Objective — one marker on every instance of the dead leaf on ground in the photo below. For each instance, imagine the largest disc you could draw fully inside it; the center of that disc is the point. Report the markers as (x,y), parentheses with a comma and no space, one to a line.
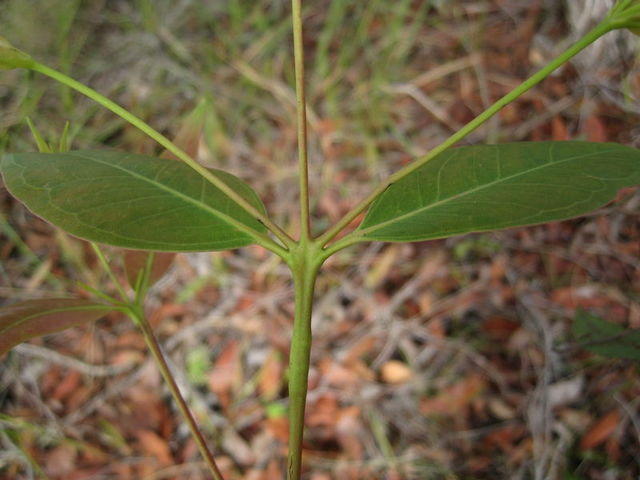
(454,399)
(156,446)
(600,431)
(395,372)
(226,372)
(271,376)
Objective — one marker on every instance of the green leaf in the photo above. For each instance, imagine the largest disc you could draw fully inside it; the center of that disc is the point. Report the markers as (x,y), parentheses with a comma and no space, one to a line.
(63,143)
(132,201)
(26,320)
(605,338)
(481,188)
(11,57)
(43,146)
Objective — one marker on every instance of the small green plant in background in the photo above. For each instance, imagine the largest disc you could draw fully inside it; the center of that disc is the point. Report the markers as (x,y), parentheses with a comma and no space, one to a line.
(156,207)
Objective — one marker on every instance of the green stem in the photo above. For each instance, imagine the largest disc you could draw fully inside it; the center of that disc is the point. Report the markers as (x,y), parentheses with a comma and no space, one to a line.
(301,108)
(259,237)
(527,85)
(105,264)
(305,266)
(142,284)
(141,321)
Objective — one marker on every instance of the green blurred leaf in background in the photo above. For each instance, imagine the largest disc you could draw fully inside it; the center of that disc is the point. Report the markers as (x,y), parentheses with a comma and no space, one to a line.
(606,338)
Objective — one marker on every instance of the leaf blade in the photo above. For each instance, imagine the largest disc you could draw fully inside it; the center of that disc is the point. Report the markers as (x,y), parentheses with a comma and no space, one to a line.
(135,262)
(483,188)
(132,201)
(33,318)
(606,338)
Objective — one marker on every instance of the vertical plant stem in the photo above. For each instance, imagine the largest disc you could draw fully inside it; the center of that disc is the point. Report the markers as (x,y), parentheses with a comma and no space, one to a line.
(301,108)
(470,127)
(304,279)
(141,321)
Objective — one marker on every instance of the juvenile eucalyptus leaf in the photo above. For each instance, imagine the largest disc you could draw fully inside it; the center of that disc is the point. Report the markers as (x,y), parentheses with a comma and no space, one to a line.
(606,338)
(131,201)
(33,318)
(482,188)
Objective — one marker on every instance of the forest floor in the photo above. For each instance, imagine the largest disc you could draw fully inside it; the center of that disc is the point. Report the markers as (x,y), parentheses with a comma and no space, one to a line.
(450,359)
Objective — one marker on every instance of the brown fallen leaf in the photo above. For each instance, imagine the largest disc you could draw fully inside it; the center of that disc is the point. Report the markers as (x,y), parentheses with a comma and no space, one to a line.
(595,129)
(321,476)
(337,375)
(271,376)
(70,382)
(600,431)
(395,372)
(152,444)
(559,130)
(454,399)
(226,372)
(278,428)
(349,432)
(274,470)
(61,461)
(323,412)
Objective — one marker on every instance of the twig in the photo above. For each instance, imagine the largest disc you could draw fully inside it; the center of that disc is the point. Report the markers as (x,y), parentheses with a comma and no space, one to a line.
(429,105)
(52,356)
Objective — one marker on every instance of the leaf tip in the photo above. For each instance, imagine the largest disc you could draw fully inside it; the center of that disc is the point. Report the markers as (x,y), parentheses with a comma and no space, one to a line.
(11,57)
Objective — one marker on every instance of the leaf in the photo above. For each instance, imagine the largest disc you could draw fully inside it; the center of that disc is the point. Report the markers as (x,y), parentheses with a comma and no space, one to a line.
(22,321)
(395,372)
(187,139)
(64,143)
(190,131)
(606,338)
(156,446)
(43,146)
(11,57)
(481,188)
(132,201)
(135,261)
(456,399)
(600,431)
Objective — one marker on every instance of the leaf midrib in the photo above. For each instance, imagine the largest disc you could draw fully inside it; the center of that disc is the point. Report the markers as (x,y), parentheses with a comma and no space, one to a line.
(198,203)
(242,230)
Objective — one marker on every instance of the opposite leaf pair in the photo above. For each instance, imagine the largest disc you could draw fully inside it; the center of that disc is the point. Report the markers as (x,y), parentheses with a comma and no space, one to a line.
(147,203)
